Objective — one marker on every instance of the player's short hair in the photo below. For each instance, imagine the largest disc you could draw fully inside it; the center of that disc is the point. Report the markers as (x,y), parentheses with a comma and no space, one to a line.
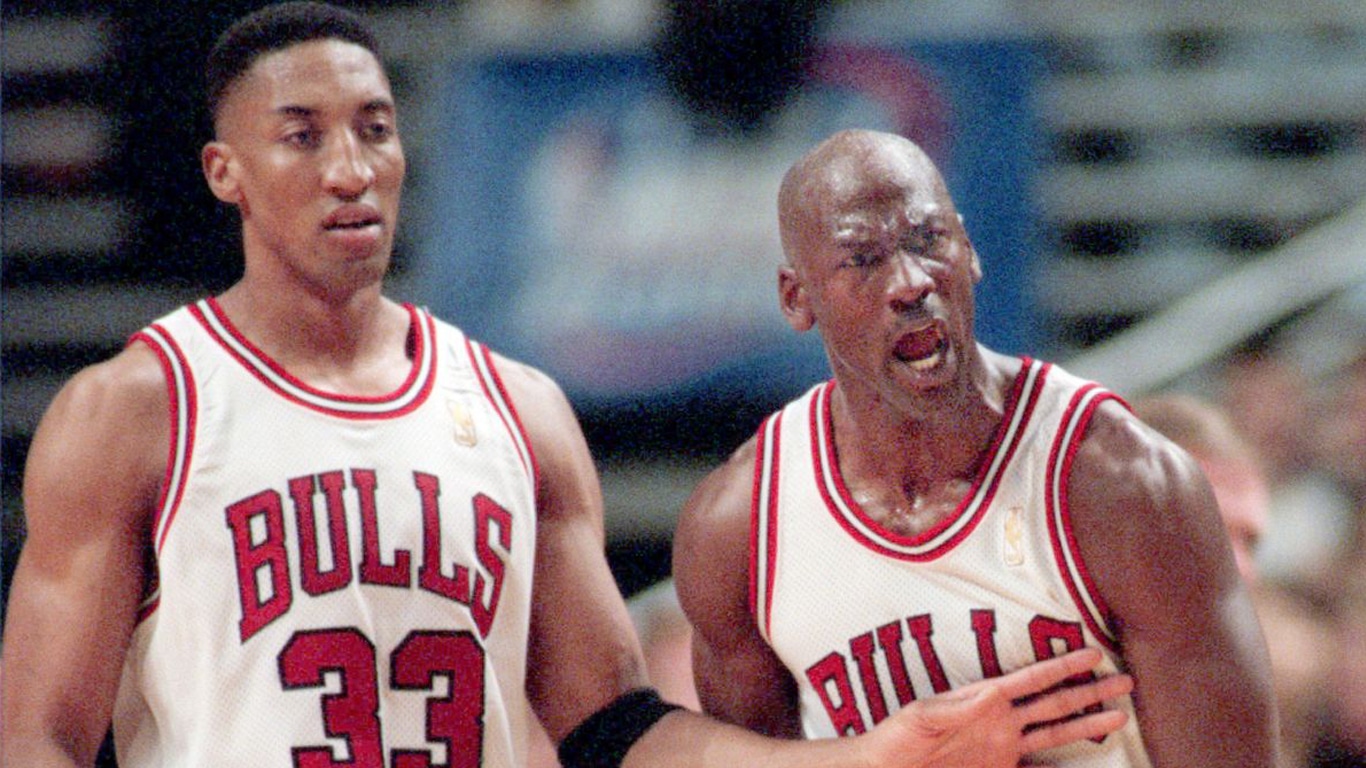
(272,28)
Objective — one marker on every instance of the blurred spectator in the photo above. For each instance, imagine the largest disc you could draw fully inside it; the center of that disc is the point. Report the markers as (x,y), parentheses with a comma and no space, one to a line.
(1342,742)
(1233,469)
(1342,435)
(667,637)
(1295,629)
(1271,401)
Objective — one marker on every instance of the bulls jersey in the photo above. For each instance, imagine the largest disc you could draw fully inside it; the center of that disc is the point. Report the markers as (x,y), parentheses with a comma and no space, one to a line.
(868,620)
(340,580)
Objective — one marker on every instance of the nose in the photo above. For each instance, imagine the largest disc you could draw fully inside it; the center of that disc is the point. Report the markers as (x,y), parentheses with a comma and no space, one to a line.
(909,282)
(347,172)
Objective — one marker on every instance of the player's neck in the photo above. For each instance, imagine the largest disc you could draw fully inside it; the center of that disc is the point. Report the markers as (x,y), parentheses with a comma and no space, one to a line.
(917,449)
(352,346)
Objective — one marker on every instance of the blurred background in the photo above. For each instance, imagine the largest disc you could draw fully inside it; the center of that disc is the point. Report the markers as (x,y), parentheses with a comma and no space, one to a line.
(1167,197)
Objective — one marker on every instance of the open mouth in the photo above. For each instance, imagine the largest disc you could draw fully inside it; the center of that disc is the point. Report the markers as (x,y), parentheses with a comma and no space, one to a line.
(922,347)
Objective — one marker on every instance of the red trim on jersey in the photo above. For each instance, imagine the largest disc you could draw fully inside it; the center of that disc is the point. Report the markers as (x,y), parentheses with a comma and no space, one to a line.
(182,400)
(403,400)
(182,410)
(1067,553)
(1018,408)
(147,609)
(763,556)
(755,518)
(511,421)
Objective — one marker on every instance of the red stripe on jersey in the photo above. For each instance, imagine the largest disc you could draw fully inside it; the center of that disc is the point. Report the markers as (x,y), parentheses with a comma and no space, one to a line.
(1018,408)
(764,522)
(182,411)
(482,359)
(406,398)
(1065,549)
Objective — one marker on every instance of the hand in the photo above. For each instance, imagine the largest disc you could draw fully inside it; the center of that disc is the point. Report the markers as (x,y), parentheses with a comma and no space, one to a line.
(983,725)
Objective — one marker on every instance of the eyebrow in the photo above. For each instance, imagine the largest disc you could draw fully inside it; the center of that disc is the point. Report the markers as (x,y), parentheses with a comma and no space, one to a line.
(369,107)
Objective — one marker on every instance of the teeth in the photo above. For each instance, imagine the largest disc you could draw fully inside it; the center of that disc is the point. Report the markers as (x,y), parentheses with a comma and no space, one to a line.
(926,363)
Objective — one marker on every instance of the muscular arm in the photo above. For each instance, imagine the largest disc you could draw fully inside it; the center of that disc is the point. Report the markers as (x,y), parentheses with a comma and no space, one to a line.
(90,485)
(583,650)
(739,679)
(1150,533)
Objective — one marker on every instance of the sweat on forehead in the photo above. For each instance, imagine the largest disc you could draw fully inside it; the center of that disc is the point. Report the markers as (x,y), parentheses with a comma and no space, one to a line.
(274,28)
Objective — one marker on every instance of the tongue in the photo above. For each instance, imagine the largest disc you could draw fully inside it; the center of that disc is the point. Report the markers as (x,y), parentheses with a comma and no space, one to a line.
(918,345)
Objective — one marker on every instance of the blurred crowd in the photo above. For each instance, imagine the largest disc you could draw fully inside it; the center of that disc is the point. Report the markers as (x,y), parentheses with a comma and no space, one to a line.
(1306,438)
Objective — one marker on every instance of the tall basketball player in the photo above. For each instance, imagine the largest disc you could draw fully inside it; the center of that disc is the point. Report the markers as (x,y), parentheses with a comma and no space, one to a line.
(939,514)
(299,524)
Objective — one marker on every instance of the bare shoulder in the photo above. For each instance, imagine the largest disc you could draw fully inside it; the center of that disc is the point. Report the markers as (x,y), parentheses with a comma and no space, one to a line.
(1124,463)
(711,543)
(98,458)
(535,395)
(720,505)
(117,410)
(567,481)
(1140,506)
(542,408)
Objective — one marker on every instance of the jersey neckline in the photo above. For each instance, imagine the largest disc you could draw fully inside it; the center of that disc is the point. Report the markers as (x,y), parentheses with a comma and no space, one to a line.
(406,397)
(945,534)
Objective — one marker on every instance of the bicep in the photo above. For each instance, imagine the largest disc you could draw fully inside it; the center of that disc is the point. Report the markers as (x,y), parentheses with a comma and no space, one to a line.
(90,485)
(738,677)
(1150,533)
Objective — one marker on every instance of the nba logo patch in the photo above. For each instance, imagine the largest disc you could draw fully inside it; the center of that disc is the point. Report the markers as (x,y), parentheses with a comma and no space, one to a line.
(464,423)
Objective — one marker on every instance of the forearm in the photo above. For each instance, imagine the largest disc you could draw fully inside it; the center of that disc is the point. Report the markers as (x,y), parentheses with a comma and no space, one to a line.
(60,668)
(989,724)
(45,723)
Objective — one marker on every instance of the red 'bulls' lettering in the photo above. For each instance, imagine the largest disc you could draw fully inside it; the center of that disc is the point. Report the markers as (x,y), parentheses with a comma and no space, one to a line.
(844,681)
(265,573)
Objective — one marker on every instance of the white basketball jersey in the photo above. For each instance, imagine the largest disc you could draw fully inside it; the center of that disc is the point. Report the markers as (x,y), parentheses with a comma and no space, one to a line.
(340,580)
(868,620)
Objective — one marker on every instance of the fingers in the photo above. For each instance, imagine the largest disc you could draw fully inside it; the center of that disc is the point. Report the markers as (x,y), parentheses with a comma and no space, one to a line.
(1085,727)
(1052,714)
(1037,678)
(1066,701)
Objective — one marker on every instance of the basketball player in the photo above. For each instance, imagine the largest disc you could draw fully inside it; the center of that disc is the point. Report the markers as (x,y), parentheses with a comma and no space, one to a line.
(301,524)
(939,513)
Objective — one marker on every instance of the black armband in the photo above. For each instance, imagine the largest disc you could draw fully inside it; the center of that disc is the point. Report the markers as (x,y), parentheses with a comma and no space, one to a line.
(603,739)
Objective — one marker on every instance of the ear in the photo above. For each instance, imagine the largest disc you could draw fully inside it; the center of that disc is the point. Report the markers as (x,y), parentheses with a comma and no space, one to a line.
(794,301)
(975,266)
(220,171)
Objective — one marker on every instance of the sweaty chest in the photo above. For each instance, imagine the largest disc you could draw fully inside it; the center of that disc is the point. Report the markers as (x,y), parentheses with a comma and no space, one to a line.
(912,514)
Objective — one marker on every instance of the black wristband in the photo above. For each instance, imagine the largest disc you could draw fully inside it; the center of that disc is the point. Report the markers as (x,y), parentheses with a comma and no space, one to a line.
(603,739)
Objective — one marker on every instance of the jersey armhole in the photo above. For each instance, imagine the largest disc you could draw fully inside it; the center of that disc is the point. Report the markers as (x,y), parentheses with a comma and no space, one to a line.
(1067,553)
(182,414)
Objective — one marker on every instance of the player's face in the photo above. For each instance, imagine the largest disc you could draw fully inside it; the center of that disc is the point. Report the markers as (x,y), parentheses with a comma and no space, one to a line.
(309,151)
(884,268)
